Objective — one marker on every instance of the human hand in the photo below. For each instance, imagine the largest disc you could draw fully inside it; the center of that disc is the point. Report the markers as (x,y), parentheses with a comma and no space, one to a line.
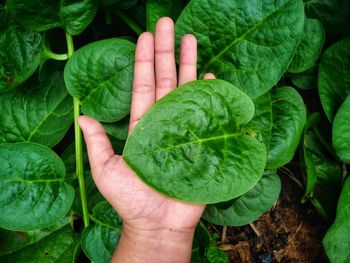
(148,216)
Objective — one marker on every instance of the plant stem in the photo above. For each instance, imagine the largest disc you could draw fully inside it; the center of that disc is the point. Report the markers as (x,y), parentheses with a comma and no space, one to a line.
(78,144)
(135,27)
(324,143)
(55,56)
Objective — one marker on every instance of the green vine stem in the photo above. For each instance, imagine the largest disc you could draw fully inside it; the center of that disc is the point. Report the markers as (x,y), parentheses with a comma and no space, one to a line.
(78,144)
(135,27)
(55,56)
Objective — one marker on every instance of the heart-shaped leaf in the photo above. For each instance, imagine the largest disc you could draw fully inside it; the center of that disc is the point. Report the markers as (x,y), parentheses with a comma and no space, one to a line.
(40,111)
(191,145)
(100,75)
(33,191)
(248,207)
(249,44)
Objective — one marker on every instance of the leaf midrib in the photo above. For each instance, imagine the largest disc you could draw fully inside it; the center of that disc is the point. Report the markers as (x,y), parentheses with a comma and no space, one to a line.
(241,38)
(197,141)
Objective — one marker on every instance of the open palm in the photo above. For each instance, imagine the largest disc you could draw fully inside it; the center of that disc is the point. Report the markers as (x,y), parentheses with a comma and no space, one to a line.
(154,76)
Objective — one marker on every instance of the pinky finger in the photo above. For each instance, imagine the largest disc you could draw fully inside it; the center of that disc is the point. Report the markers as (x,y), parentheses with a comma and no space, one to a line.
(209,76)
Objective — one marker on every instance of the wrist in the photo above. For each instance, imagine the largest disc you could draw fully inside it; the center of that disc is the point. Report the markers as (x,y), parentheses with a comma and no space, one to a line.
(154,245)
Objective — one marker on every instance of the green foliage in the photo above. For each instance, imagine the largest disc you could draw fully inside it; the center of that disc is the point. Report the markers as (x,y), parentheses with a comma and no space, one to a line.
(34,192)
(192,145)
(39,111)
(99,241)
(341,131)
(206,142)
(249,206)
(334,77)
(19,56)
(337,239)
(100,76)
(241,43)
(309,48)
(323,172)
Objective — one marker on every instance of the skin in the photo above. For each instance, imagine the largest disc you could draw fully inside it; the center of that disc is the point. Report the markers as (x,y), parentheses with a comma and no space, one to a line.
(156,228)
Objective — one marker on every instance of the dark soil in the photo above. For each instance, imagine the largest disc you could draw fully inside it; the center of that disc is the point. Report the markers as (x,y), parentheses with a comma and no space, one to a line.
(289,232)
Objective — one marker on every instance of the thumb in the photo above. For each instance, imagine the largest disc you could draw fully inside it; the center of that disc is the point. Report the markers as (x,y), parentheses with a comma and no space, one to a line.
(99,147)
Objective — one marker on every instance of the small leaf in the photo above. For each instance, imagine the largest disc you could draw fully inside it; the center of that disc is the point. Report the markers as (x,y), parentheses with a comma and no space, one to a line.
(323,174)
(100,240)
(33,191)
(334,77)
(337,239)
(249,44)
(305,80)
(191,146)
(100,75)
(215,255)
(60,246)
(309,48)
(19,56)
(341,131)
(40,111)
(248,207)
(119,129)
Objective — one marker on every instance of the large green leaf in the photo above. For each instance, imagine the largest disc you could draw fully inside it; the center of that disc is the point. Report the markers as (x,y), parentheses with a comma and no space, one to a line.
(334,77)
(279,119)
(289,118)
(323,173)
(309,48)
(72,15)
(11,241)
(155,9)
(248,207)
(100,240)
(100,74)
(341,131)
(19,56)
(191,146)
(39,112)
(248,43)
(337,239)
(60,246)
(33,191)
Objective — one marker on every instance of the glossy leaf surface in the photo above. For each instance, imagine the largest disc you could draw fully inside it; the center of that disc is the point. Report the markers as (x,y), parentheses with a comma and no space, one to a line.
(341,131)
(19,56)
(248,207)
(309,48)
(40,111)
(334,77)
(323,172)
(337,240)
(72,16)
(100,75)
(289,118)
(60,246)
(247,43)
(279,120)
(33,191)
(100,240)
(191,146)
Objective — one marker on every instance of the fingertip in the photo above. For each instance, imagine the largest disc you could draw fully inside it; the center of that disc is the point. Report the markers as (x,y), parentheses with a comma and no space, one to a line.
(164,21)
(189,38)
(209,76)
